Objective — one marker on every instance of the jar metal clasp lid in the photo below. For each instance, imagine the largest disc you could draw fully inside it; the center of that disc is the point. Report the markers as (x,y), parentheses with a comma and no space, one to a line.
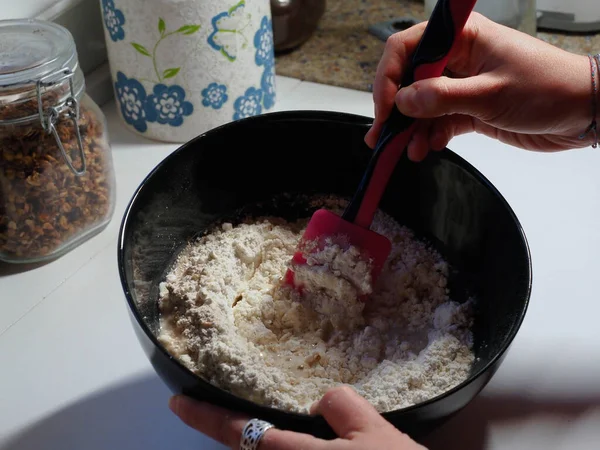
(49,118)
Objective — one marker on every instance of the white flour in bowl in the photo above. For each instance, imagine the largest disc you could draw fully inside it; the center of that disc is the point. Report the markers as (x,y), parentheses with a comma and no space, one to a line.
(227,316)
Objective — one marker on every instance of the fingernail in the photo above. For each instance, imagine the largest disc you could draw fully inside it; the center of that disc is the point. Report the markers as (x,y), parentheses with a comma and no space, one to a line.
(407,98)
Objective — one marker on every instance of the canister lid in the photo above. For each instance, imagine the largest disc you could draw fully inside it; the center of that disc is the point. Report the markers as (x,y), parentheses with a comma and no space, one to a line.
(32,49)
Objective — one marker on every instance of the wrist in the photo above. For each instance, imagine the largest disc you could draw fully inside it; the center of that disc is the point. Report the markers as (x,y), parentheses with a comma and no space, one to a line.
(585,106)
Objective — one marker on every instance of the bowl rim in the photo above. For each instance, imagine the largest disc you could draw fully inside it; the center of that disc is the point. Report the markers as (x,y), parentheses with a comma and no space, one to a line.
(312,116)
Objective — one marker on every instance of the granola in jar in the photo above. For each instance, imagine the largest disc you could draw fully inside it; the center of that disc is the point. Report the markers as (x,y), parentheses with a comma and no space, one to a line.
(56,173)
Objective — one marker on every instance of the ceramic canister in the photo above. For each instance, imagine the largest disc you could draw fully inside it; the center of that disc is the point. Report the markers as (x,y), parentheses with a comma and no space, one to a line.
(182,67)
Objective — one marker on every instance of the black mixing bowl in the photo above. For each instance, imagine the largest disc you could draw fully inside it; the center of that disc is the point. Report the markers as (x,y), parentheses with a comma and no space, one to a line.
(275,159)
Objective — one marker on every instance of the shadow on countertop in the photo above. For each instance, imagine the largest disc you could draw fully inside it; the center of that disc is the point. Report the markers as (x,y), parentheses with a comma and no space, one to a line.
(7,269)
(134,415)
(469,429)
(128,416)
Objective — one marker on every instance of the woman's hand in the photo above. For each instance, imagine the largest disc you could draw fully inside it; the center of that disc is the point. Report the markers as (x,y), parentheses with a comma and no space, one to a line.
(356,422)
(501,82)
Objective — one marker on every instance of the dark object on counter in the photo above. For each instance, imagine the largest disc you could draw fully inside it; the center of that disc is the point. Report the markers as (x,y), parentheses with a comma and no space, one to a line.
(383,30)
(443,199)
(294,21)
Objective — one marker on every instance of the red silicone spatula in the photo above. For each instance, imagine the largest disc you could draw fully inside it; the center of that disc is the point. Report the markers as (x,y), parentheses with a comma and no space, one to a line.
(429,60)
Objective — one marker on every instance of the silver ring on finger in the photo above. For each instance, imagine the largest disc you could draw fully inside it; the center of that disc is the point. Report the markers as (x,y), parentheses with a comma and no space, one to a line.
(253,432)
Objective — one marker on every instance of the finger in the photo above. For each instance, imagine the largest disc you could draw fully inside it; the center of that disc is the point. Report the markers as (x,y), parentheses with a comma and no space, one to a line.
(226,427)
(418,147)
(464,59)
(395,58)
(391,67)
(314,408)
(348,413)
(445,128)
(288,440)
(389,72)
(373,133)
(217,423)
(436,97)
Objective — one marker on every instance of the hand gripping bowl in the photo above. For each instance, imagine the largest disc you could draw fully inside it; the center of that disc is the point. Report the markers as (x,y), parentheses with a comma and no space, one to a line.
(222,172)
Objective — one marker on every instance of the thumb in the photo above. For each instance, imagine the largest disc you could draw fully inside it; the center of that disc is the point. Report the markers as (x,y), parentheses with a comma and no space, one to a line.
(440,96)
(347,412)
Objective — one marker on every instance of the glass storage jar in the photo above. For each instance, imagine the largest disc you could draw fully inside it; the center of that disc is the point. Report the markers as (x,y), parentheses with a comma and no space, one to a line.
(57,184)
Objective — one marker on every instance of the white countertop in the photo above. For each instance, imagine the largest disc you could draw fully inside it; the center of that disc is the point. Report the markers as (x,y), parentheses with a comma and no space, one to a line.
(74,376)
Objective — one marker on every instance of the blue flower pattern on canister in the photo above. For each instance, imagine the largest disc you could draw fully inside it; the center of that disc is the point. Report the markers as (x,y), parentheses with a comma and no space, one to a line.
(114,20)
(131,97)
(214,95)
(254,99)
(248,104)
(263,42)
(267,84)
(167,105)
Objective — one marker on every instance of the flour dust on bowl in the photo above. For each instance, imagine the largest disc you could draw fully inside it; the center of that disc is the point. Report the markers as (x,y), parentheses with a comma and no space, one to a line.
(206,239)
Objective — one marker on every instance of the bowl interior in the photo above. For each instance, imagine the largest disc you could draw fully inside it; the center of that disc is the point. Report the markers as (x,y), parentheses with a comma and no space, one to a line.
(270,163)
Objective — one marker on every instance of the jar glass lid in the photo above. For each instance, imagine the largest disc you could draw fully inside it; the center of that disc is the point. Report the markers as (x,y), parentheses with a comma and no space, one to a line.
(31,49)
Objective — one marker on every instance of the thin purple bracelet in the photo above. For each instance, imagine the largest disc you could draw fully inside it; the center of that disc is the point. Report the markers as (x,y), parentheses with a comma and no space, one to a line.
(594,65)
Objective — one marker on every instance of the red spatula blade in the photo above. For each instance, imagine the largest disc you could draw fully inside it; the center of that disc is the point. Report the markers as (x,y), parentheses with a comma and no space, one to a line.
(325,224)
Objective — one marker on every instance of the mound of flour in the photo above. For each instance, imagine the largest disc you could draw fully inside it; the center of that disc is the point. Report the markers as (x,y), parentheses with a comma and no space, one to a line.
(227,316)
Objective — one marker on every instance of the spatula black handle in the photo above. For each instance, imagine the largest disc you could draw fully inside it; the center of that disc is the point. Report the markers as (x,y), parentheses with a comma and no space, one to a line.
(428,60)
